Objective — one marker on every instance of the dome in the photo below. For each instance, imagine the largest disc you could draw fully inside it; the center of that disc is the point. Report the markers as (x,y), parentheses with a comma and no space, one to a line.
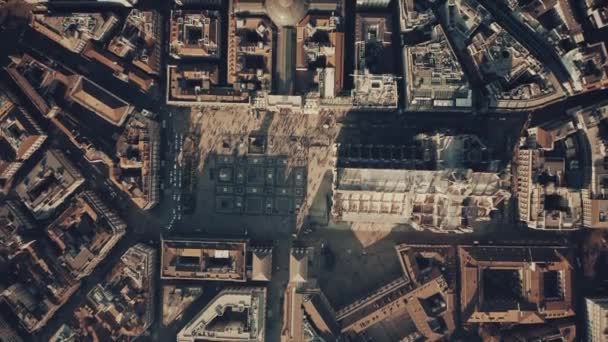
(286,12)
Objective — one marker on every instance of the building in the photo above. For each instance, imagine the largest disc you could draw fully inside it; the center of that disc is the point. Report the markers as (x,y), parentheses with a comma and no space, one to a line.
(597,319)
(513,77)
(584,62)
(195,34)
(123,3)
(248,61)
(595,212)
(249,7)
(41,84)
(48,184)
(176,299)
(411,19)
(415,182)
(135,147)
(20,138)
(235,314)
(13,222)
(319,56)
(286,14)
(463,17)
(562,32)
(135,137)
(98,100)
(557,330)
(419,304)
(373,3)
(375,85)
(440,201)
(124,306)
(326,6)
(33,78)
(588,66)
(375,91)
(42,286)
(203,260)
(432,304)
(261,264)
(250,51)
(434,77)
(307,313)
(138,153)
(298,266)
(203,3)
(73,31)
(515,284)
(189,85)
(85,233)
(140,41)
(118,67)
(65,333)
(44,85)
(598,16)
(595,204)
(545,198)
(303,82)
(7,334)
(378,306)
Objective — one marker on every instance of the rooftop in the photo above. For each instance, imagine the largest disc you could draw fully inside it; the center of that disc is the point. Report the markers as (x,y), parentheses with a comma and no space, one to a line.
(85,233)
(434,76)
(434,271)
(420,304)
(235,314)
(549,189)
(261,264)
(419,152)
(20,133)
(298,266)
(195,33)
(98,100)
(373,43)
(441,201)
(137,169)
(205,260)
(73,31)
(250,50)
(42,286)
(123,304)
(13,222)
(588,66)
(320,52)
(307,312)
(559,330)
(515,284)
(20,138)
(286,12)
(139,41)
(176,299)
(199,84)
(48,183)
(512,75)
(384,302)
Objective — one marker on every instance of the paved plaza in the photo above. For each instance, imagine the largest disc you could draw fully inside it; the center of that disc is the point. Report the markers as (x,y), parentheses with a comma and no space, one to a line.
(257,185)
